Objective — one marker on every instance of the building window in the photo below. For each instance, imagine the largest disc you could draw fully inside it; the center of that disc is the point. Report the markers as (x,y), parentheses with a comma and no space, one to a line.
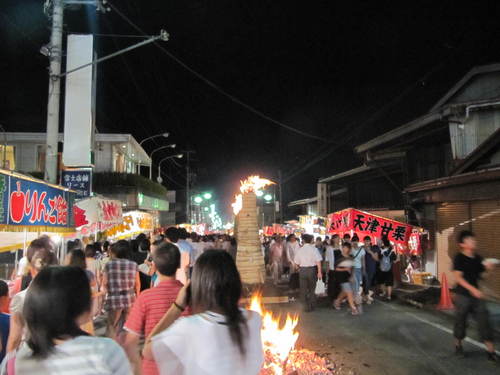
(118,162)
(8,157)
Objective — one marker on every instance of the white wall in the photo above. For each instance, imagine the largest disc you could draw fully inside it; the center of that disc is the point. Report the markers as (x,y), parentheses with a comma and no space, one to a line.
(26,156)
(104,157)
(466,137)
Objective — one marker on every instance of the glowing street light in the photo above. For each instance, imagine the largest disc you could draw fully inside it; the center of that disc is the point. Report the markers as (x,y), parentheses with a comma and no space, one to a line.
(207,196)
(165,135)
(259,193)
(198,199)
(268,197)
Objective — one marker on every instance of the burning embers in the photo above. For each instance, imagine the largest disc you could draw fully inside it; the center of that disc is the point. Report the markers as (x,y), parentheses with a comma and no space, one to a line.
(250,185)
(278,341)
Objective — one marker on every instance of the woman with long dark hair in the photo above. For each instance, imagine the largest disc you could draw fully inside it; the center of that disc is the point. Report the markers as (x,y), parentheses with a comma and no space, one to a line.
(220,338)
(57,304)
(76,258)
(40,258)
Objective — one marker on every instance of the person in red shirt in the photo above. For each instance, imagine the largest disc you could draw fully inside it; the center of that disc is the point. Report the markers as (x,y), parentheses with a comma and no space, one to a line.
(151,305)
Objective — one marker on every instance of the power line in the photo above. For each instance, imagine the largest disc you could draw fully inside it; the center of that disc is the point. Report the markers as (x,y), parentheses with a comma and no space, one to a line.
(145,98)
(171,179)
(175,163)
(218,88)
(375,116)
(124,36)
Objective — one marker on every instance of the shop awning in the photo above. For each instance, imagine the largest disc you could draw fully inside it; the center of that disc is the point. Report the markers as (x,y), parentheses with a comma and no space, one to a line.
(134,223)
(97,214)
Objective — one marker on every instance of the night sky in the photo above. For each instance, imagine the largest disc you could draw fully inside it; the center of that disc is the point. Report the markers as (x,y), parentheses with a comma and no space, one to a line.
(341,71)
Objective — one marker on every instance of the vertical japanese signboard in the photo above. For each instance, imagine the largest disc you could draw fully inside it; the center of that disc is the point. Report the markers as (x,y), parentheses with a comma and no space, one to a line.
(32,205)
(79,180)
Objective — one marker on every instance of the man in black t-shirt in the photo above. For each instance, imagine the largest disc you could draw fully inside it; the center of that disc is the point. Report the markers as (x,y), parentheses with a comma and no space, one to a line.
(467,268)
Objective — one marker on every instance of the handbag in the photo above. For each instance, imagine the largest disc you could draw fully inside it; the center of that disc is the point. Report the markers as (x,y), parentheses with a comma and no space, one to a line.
(320,288)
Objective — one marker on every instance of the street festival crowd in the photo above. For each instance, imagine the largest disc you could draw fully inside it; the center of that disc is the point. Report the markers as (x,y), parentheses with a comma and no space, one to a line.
(172,301)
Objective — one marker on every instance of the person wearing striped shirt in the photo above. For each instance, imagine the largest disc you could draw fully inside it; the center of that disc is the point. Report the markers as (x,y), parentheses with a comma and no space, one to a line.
(57,303)
(151,305)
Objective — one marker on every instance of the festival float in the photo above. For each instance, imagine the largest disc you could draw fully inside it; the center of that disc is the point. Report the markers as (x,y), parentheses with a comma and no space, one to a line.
(281,356)
(249,260)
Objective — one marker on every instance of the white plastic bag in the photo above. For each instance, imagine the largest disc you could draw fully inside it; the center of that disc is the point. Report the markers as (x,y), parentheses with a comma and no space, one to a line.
(320,288)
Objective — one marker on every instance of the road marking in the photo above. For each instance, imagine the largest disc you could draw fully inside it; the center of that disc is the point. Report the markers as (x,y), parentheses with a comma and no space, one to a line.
(439,326)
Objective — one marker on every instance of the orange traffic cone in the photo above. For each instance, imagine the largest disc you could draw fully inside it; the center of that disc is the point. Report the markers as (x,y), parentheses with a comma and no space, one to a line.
(445,302)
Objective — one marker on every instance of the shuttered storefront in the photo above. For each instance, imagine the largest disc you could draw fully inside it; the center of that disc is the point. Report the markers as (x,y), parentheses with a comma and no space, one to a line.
(485,219)
(451,218)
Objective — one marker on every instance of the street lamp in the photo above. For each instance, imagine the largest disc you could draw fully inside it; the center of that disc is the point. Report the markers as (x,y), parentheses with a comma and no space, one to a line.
(198,199)
(151,157)
(268,197)
(259,193)
(207,196)
(164,135)
(178,156)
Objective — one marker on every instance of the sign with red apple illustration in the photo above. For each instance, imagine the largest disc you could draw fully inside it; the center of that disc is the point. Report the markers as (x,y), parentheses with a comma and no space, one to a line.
(29,203)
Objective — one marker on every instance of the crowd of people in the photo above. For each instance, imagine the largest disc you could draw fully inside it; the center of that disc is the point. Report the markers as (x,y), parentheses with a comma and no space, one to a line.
(352,270)
(172,301)
(166,300)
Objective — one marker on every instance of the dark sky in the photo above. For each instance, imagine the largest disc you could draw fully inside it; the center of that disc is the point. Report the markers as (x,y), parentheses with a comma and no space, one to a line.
(344,71)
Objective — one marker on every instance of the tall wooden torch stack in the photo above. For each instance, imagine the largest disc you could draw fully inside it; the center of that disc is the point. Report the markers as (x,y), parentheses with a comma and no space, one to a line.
(249,259)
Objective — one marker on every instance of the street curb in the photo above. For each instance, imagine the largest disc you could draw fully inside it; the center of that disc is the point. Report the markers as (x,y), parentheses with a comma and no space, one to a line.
(432,308)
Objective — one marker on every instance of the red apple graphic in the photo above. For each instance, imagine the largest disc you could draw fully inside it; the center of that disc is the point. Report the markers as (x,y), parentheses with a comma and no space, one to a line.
(79,215)
(17,200)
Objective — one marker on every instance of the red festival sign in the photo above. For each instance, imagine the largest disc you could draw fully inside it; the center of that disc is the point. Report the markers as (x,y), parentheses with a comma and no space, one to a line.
(365,224)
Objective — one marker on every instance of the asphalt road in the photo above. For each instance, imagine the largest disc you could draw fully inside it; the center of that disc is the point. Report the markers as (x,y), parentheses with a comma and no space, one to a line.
(389,338)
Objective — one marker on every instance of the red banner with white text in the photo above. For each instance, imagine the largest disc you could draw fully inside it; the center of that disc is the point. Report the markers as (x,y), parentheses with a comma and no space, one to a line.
(363,224)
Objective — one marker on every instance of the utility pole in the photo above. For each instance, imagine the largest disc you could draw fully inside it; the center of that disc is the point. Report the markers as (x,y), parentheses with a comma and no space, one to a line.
(55,53)
(188,184)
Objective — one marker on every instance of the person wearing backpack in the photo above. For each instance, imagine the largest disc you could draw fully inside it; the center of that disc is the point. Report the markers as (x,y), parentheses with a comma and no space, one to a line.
(387,258)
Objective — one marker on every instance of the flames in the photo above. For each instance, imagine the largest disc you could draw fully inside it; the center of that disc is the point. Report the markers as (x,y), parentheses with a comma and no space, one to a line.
(251,184)
(254,183)
(238,204)
(277,341)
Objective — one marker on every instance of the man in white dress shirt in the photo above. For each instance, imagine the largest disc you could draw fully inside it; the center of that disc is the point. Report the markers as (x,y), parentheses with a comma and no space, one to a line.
(308,259)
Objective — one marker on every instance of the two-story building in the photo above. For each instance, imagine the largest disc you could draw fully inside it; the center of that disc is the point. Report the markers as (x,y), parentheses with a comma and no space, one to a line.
(441,170)
(117,160)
